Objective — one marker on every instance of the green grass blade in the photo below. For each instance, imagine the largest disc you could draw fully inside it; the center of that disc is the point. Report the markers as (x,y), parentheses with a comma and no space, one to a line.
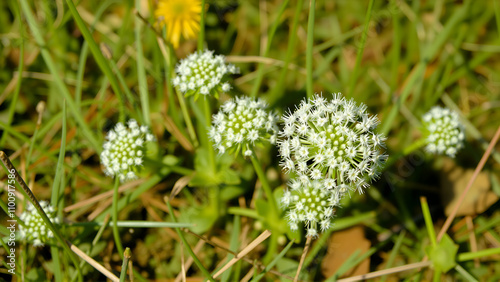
(20,68)
(87,133)
(57,188)
(309,49)
(270,35)
(428,221)
(141,72)
(98,56)
(359,55)
(278,90)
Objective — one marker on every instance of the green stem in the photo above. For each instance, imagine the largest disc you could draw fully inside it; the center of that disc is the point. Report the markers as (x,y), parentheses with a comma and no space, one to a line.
(141,72)
(428,221)
(309,49)
(406,151)
(116,234)
(187,118)
(126,258)
(265,183)
(437,275)
(190,251)
(201,36)
(208,122)
(465,274)
(478,254)
(271,249)
(359,55)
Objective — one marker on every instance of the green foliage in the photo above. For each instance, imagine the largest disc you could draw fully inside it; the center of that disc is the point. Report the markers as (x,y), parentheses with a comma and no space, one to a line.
(443,255)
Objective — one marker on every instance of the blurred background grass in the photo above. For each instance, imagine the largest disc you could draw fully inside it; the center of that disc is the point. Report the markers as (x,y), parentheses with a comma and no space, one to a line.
(417,54)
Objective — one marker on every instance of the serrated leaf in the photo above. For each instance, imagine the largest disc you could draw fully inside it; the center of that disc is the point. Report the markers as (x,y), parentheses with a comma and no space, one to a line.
(443,256)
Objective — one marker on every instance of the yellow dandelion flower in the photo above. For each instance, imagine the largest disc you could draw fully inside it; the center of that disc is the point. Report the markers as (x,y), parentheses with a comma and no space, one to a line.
(180,17)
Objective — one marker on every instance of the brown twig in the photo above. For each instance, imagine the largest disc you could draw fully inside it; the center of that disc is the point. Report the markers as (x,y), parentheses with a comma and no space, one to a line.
(479,167)
(303,257)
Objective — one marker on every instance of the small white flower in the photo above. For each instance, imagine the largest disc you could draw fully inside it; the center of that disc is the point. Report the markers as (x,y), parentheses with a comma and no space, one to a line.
(123,152)
(203,73)
(35,230)
(308,202)
(240,126)
(444,132)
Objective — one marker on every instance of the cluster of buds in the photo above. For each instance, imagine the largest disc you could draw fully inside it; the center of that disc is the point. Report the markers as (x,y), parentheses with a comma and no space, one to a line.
(203,73)
(443,131)
(241,124)
(34,229)
(332,144)
(125,149)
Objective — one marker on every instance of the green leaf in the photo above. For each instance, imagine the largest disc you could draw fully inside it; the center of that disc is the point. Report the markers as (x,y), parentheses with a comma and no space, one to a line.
(231,192)
(203,218)
(444,254)
(205,177)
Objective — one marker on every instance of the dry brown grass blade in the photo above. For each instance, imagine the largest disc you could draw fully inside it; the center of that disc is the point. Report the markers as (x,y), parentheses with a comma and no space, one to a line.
(93,263)
(103,196)
(189,261)
(386,271)
(472,238)
(172,128)
(479,167)
(303,257)
(263,236)
(179,185)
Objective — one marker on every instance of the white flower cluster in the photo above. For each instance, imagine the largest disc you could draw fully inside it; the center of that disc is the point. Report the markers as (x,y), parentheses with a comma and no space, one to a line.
(34,229)
(444,132)
(124,151)
(330,147)
(241,123)
(311,204)
(332,141)
(203,73)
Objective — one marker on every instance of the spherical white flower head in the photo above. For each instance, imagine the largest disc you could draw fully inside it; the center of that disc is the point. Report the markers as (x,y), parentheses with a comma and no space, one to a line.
(333,141)
(203,73)
(34,229)
(311,204)
(125,149)
(240,124)
(444,132)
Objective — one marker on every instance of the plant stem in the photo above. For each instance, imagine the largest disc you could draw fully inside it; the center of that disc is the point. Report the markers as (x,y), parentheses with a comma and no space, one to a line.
(406,151)
(201,36)
(141,72)
(208,122)
(309,49)
(126,258)
(265,183)
(116,234)
(478,254)
(428,221)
